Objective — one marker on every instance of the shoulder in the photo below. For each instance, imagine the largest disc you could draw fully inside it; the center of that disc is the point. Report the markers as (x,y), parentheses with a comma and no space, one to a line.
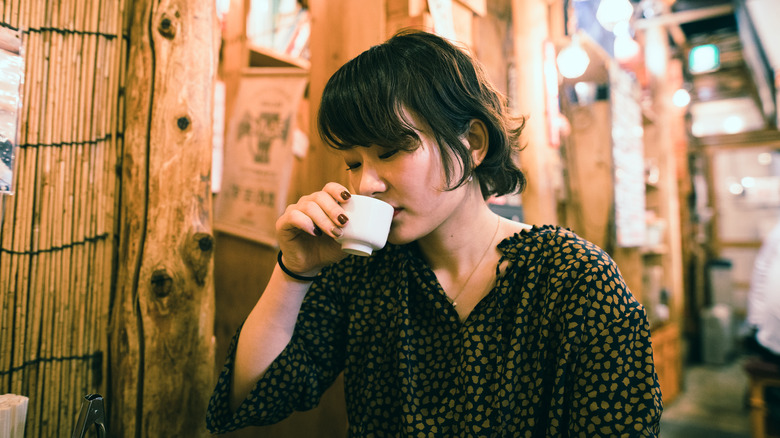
(561,247)
(571,266)
(583,272)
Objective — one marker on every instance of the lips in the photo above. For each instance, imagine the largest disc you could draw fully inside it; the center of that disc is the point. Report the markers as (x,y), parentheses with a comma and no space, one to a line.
(396,210)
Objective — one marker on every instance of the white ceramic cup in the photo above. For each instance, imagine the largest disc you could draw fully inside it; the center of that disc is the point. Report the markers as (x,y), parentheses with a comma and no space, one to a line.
(368,225)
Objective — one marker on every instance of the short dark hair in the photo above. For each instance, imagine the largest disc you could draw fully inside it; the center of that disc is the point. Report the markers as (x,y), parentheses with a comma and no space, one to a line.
(363,102)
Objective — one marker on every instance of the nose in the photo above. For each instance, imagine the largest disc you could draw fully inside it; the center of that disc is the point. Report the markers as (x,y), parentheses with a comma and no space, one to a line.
(370,182)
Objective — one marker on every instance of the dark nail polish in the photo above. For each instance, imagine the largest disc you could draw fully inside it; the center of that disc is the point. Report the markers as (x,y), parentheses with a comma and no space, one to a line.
(342,219)
(345,195)
(317,231)
(336,231)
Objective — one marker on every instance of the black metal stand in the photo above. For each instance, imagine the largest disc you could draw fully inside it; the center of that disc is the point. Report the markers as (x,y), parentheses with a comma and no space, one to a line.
(92,412)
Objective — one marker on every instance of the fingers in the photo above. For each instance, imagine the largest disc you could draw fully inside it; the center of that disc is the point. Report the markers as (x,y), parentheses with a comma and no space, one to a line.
(324,214)
(293,220)
(337,191)
(318,213)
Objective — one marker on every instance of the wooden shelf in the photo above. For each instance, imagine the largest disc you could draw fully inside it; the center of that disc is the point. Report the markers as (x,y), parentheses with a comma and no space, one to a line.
(654,250)
(266,57)
(667,358)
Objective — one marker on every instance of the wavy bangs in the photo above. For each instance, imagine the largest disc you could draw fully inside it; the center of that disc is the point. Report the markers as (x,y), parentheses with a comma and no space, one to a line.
(363,105)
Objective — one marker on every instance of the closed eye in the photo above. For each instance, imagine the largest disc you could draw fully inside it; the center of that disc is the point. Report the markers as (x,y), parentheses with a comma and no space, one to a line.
(389,154)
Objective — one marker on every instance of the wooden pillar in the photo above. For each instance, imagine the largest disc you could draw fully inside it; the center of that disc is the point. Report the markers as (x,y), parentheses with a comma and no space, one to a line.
(162,351)
(672,137)
(538,160)
(341,30)
(665,74)
(662,136)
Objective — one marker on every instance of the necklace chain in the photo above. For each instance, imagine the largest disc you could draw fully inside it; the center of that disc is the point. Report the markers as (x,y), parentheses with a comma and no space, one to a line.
(454,299)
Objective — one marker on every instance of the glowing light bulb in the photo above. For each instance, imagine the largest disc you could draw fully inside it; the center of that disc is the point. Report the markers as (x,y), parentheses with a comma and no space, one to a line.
(573,60)
(733,124)
(611,12)
(681,98)
(624,47)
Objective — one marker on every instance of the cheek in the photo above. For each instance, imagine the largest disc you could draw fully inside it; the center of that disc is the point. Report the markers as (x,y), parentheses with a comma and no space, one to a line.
(427,170)
(353,181)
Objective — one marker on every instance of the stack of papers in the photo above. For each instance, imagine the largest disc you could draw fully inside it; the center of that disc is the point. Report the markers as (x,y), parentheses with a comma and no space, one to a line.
(13,412)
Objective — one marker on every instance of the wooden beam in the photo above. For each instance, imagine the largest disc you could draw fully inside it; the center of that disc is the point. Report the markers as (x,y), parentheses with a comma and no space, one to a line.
(538,160)
(677,34)
(767,137)
(341,30)
(163,320)
(589,164)
(683,17)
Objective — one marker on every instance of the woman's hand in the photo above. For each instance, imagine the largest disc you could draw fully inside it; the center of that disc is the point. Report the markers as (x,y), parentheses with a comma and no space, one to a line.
(307,229)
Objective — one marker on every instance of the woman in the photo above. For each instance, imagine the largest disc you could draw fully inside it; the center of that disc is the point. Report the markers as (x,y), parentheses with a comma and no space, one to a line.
(465,324)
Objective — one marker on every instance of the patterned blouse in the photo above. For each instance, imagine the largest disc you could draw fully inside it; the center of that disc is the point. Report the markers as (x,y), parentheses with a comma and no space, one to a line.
(559,347)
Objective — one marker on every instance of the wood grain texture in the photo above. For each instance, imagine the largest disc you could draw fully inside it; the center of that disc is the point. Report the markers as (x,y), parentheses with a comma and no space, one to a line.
(163,352)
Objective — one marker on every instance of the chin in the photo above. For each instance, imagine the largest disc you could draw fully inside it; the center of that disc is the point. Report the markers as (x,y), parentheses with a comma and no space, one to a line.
(402,236)
(397,239)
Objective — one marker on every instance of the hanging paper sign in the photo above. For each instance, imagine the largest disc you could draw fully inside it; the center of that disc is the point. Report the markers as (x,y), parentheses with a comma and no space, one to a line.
(628,159)
(11,79)
(218,136)
(258,156)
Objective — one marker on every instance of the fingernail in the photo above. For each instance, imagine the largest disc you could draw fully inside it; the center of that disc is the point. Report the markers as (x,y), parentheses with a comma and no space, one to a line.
(317,231)
(345,195)
(336,231)
(342,219)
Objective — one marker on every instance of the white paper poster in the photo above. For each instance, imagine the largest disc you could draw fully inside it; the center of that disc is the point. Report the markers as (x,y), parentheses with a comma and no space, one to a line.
(628,159)
(218,137)
(11,79)
(259,156)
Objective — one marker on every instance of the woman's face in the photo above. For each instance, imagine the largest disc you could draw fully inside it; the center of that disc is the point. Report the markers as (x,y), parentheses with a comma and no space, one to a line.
(412,182)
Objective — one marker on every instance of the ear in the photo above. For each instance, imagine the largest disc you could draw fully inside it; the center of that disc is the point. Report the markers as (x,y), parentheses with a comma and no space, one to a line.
(477,137)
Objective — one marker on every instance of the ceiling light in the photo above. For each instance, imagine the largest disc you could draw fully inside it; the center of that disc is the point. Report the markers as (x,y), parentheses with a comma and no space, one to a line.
(624,47)
(733,124)
(573,60)
(611,12)
(681,98)
(736,189)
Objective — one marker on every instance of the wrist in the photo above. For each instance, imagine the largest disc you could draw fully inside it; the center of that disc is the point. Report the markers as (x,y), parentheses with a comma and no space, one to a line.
(305,277)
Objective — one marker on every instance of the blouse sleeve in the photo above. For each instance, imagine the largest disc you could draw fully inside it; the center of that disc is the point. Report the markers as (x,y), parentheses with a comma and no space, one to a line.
(296,380)
(615,387)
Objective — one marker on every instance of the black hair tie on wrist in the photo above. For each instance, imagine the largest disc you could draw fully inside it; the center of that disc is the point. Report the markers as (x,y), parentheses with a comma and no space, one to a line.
(291,273)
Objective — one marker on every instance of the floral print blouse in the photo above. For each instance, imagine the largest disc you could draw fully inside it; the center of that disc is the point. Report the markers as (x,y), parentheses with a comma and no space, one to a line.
(559,347)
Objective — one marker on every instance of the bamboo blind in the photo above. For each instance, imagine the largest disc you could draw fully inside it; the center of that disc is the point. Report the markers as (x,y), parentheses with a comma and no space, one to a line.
(58,231)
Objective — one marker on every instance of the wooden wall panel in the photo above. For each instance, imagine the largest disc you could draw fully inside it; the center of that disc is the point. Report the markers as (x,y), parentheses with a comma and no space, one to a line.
(588,165)
(539,161)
